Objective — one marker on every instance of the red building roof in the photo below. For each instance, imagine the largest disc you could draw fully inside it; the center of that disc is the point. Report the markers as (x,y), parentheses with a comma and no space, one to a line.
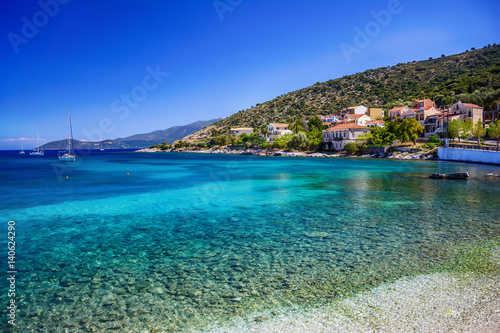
(472,105)
(397,108)
(346,126)
(449,116)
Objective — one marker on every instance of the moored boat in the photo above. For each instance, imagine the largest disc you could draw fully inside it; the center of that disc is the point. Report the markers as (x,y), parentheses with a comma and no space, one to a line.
(68,156)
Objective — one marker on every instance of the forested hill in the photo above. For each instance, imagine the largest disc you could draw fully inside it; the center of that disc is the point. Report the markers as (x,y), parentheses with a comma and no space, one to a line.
(472,76)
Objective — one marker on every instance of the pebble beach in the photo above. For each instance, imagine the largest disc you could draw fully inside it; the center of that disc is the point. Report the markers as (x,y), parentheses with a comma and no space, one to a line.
(427,303)
(440,302)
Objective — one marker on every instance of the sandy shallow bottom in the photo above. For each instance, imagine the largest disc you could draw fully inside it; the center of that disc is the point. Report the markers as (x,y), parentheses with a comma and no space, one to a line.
(441,302)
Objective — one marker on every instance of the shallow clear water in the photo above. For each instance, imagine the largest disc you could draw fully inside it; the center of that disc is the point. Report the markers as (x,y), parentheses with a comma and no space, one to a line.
(186,240)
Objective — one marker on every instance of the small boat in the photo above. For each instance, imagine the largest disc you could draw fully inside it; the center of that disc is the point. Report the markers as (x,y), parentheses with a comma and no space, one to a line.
(68,156)
(37,151)
(22,149)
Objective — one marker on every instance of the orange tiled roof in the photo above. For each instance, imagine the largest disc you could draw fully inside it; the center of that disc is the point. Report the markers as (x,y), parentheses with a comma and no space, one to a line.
(376,122)
(346,126)
(449,116)
(472,105)
(397,108)
(418,109)
(279,125)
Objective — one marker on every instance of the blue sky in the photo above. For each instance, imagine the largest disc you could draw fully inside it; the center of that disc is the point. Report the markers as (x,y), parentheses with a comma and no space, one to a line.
(128,67)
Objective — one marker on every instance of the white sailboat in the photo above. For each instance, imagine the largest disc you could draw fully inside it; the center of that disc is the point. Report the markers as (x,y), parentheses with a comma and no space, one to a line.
(22,149)
(37,151)
(69,156)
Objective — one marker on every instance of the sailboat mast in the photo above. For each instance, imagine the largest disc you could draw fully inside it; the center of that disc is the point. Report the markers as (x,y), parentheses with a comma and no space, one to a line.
(69,136)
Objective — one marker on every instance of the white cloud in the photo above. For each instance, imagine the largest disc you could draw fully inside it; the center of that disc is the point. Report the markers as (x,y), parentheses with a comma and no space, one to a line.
(20,139)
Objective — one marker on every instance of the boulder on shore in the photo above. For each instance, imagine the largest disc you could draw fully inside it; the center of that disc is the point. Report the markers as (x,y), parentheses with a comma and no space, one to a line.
(459,175)
(438,176)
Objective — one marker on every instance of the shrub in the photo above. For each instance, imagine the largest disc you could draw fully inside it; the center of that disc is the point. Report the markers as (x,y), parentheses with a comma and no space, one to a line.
(434,139)
(351,148)
(299,141)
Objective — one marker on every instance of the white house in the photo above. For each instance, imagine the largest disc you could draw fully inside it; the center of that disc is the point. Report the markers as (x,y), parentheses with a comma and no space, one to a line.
(275,130)
(375,123)
(360,109)
(240,130)
(277,127)
(336,137)
(328,119)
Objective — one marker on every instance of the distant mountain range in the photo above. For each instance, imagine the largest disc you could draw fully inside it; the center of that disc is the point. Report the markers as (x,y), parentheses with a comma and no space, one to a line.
(144,140)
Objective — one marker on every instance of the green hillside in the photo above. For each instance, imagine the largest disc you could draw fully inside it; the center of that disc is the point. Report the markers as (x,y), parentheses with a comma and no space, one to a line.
(472,76)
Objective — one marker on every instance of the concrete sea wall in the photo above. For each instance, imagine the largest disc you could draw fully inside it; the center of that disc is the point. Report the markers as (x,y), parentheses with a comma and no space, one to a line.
(469,155)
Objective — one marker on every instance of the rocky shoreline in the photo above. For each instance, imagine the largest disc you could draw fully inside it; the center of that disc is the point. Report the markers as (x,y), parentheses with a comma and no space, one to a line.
(398,155)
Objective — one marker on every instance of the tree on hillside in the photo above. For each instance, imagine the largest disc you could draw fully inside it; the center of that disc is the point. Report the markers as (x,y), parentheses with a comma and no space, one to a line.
(478,131)
(299,141)
(315,123)
(409,130)
(214,132)
(264,130)
(494,131)
(296,126)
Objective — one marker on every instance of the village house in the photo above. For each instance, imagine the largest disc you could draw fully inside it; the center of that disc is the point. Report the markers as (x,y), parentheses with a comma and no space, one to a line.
(358,119)
(276,130)
(397,111)
(459,110)
(375,113)
(375,123)
(337,136)
(328,119)
(420,110)
(431,124)
(360,109)
(240,130)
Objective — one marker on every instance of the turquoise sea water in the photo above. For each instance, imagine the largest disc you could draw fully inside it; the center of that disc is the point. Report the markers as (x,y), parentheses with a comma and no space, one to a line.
(133,242)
